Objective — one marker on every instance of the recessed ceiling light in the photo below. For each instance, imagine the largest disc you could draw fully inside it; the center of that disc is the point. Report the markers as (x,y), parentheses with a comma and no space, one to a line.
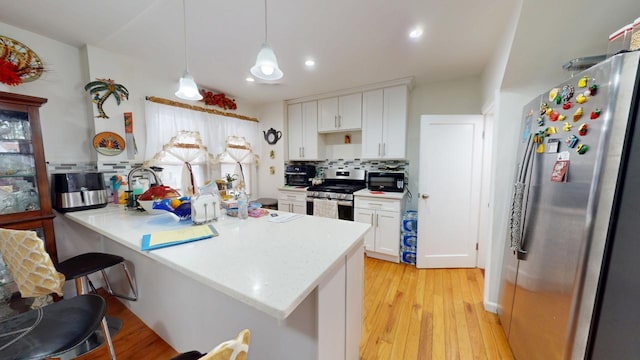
(310,63)
(250,79)
(415,33)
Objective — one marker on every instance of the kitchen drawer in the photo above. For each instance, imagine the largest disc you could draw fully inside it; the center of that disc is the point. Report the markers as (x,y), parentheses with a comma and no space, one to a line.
(292,196)
(377,204)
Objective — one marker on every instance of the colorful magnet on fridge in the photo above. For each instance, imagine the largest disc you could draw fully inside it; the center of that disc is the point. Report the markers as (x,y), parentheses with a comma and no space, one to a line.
(567,127)
(540,121)
(543,108)
(540,149)
(553,94)
(582,83)
(582,130)
(582,148)
(567,92)
(594,89)
(550,130)
(572,141)
(581,99)
(595,114)
(587,93)
(567,105)
(548,111)
(578,114)
(553,116)
(561,117)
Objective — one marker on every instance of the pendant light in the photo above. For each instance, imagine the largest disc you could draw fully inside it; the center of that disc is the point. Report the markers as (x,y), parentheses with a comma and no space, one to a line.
(188,89)
(266,67)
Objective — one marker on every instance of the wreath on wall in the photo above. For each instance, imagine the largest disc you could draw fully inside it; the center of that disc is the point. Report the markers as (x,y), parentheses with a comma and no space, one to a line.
(18,63)
(219,100)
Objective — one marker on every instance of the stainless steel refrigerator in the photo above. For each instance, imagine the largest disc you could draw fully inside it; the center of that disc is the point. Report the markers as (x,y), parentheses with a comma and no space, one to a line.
(571,271)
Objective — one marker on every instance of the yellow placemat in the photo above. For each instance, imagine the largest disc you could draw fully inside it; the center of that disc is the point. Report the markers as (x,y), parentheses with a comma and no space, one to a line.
(166,238)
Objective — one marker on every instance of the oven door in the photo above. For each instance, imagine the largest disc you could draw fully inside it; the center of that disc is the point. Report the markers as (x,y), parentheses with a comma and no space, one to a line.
(345,208)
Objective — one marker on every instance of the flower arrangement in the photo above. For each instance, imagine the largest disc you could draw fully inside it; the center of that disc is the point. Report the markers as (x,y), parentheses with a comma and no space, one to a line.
(9,73)
(220,100)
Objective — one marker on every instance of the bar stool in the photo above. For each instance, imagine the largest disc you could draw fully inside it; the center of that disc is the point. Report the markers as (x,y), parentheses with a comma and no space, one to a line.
(79,268)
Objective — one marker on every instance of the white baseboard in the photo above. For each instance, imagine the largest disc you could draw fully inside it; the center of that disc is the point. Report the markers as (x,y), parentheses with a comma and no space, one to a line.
(490,306)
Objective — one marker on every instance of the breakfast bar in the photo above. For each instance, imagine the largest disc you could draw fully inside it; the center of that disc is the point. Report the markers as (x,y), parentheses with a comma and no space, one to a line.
(297,285)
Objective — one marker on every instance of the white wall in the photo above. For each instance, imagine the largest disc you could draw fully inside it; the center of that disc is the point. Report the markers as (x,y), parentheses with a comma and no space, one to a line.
(271,116)
(453,97)
(67,124)
(141,79)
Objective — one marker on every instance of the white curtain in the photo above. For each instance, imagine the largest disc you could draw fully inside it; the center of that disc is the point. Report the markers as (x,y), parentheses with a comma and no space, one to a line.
(165,121)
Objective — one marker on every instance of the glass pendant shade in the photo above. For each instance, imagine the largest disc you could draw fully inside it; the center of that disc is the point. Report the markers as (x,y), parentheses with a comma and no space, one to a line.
(188,89)
(266,67)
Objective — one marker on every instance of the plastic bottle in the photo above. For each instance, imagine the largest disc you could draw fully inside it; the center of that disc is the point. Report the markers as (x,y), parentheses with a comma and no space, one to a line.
(243,205)
(137,188)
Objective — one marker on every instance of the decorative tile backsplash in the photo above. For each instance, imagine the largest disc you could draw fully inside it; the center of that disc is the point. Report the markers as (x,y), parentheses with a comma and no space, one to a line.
(108,168)
(369,165)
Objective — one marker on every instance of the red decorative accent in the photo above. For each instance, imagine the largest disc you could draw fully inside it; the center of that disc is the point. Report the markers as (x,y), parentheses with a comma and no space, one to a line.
(9,73)
(219,100)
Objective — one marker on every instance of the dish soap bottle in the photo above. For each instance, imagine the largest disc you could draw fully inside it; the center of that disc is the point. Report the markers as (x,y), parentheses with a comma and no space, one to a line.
(243,205)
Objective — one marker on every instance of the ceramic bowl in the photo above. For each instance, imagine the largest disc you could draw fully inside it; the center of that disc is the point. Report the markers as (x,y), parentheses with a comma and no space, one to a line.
(147,205)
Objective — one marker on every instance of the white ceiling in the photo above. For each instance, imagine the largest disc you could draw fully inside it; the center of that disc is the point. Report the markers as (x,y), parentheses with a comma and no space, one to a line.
(354,42)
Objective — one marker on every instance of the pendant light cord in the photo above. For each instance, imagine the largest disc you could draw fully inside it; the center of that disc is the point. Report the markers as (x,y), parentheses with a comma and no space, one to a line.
(265,21)
(184,32)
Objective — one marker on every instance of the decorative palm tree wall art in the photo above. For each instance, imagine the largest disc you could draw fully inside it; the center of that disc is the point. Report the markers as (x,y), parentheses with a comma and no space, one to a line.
(110,88)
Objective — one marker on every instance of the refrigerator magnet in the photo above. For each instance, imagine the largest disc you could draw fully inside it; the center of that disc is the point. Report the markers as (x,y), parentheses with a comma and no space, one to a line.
(560,170)
(553,145)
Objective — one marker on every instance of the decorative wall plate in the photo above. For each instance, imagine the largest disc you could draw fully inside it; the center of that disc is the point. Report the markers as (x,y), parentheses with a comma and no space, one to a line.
(108,143)
(28,62)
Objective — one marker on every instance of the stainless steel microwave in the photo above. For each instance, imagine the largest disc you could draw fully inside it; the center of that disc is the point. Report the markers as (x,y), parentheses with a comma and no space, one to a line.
(386,181)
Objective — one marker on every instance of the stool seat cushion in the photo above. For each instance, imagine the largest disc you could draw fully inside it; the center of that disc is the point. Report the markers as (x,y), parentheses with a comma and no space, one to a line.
(51,330)
(85,264)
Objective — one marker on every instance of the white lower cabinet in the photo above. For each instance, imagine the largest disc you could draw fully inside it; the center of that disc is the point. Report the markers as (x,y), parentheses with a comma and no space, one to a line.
(292,201)
(384,216)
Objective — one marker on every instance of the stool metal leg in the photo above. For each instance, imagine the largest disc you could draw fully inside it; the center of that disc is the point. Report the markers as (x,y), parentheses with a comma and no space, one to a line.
(107,336)
(128,275)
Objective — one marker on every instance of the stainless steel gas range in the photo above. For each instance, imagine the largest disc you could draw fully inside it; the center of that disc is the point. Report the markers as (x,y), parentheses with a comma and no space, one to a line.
(339,185)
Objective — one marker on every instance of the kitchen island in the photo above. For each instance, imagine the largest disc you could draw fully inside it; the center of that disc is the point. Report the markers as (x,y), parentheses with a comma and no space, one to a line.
(296,285)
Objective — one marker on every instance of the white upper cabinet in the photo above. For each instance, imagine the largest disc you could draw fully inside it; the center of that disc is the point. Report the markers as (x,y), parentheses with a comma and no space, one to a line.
(342,113)
(384,123)
(303,131)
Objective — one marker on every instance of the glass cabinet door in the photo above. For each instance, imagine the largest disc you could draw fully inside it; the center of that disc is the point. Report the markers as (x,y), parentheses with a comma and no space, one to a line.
(18,182)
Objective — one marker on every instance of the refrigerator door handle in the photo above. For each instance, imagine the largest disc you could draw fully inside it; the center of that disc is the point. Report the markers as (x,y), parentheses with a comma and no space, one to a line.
(519,203)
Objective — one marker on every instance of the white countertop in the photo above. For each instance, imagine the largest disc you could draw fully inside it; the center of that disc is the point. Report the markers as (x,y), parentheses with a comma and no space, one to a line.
(270,266)
(293,188)
(383,195)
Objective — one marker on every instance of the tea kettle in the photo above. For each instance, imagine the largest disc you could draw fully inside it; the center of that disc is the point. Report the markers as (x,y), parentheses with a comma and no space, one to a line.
(272,136)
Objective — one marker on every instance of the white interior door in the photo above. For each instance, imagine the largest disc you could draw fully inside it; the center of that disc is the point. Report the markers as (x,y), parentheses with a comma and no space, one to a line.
(449,187)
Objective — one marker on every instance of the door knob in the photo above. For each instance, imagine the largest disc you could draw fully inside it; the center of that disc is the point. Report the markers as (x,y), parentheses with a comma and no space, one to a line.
(424,196)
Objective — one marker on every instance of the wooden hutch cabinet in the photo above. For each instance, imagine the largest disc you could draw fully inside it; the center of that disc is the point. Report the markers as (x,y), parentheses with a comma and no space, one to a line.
(25,201)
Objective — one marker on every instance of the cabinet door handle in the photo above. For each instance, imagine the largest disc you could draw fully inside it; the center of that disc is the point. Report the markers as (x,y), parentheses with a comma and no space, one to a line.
(377,219)
(339,121)
(335,121)
(371,219)
(378,149)
(303,151)
(384,149)
(424,196)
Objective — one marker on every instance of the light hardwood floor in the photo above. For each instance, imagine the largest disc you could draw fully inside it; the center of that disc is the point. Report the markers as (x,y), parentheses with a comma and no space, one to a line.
(436,314)
(408,314)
